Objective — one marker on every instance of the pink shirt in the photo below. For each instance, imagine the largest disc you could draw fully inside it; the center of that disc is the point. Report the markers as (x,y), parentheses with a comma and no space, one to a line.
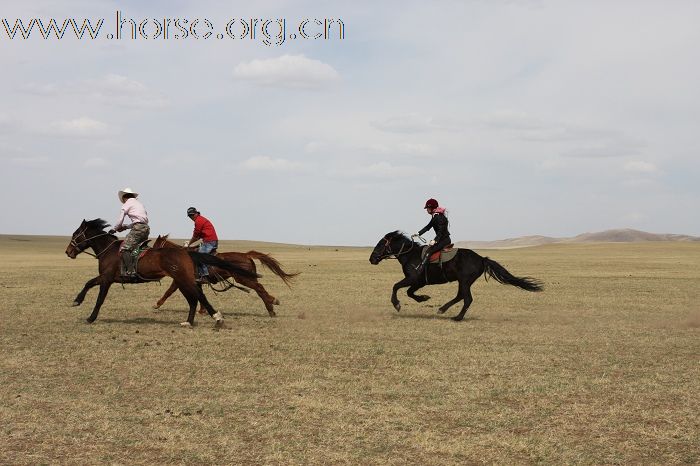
(133,209)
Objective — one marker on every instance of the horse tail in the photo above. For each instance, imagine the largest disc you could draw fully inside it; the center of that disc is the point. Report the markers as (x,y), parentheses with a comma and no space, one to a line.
(272,264)
(497,271)
(207,259)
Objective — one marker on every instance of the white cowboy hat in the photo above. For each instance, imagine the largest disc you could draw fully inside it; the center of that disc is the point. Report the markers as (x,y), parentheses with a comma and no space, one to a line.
(126,191)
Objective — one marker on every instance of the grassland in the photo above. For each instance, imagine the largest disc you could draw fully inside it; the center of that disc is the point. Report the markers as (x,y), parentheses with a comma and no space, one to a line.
(601,368)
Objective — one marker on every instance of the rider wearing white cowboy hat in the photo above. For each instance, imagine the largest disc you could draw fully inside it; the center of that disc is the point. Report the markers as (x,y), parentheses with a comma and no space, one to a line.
(132,208)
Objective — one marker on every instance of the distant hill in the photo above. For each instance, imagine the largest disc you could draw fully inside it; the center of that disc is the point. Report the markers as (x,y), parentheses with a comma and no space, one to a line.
(625,235)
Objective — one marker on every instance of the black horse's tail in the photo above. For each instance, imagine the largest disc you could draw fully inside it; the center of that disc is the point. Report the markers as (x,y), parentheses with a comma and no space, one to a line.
(497,271)
(207,259)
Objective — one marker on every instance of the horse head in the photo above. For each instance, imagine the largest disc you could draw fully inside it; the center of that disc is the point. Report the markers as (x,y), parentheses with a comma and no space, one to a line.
(83,235)
(162,242)
(392,244)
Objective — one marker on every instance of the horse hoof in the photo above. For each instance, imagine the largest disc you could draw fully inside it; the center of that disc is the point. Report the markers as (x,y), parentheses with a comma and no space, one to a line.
(219,324)
(272,313)
(156,306)
(397,306)
(457,318)
(276,302)
(441,311)
(76,303)
(185,325)
(89,320)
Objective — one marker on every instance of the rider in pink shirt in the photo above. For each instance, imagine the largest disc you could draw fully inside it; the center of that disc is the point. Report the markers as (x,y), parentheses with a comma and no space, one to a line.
(132,208)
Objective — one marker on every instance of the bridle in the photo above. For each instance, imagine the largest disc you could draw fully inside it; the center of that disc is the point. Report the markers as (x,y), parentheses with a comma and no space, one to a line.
(395,255)
(76,244)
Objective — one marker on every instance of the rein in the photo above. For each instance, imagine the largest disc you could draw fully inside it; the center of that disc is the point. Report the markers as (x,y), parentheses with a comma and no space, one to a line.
(395,255)
(86,240)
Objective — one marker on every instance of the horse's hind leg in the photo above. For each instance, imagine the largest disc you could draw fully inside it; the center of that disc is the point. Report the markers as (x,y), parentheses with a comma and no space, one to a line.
(166,295)
(451,302)
(88,285)
(268,300)
(465,289)
(411,293)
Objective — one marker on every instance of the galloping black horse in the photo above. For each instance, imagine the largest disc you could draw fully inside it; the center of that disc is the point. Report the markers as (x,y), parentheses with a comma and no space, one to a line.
(155,264)
(465,268)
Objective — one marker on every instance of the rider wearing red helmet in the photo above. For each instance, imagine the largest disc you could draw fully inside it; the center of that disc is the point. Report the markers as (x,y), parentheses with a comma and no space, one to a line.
(439,223)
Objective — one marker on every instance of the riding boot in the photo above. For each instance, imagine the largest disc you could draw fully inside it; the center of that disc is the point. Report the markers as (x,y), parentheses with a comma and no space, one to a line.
(421,266)
(128,264)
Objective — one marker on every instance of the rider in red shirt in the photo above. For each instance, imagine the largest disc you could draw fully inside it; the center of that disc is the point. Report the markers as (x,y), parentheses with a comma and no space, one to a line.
(204,230)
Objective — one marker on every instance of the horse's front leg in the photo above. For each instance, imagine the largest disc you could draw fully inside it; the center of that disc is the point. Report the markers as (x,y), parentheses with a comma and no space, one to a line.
(411,293)
(88,285)
(402,284)
(104,288)
(166,295)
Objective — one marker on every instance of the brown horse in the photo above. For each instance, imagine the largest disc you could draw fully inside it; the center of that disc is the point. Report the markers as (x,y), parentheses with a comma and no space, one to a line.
(243,260)
(154,265)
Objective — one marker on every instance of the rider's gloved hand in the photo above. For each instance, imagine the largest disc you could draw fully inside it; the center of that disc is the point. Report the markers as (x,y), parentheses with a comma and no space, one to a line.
(415,235)
(112,231)
(431,243)
(185,244)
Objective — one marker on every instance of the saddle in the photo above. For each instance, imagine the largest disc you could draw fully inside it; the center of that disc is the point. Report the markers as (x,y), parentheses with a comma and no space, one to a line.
(447,254)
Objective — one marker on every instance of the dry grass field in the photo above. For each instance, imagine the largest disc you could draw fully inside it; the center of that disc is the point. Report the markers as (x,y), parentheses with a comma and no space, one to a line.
(601,368)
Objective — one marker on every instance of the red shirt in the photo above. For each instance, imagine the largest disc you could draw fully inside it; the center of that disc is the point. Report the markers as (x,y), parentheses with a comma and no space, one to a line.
(204,229)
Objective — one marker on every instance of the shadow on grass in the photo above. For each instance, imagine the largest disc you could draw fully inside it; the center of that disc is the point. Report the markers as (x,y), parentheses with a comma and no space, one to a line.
(135,320)
(398,315)
(262,313)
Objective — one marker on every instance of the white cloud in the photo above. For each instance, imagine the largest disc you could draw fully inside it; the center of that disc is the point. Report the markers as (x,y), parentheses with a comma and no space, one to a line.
(30,162)
(314,147)
(639,166)
(96,162)
(122,90)
(414,123)
(599,151)
(404,148)
(287,71)
(112,89)
(511,119)
(379,170)
(82,127)
(264,163)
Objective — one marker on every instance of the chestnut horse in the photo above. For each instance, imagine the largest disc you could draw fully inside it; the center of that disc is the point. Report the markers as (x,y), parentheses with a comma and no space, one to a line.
(465,268)
(154,265)
(243,260)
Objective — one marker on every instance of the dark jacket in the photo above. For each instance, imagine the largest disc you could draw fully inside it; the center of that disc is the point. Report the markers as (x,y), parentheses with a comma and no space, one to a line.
(439,223)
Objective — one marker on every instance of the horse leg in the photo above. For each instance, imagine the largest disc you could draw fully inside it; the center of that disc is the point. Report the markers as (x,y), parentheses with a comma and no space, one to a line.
(104,288)
(401,284)
(411,293)
(166,295)
(88,285)
(451,302)
(217,316)
(191,298)
(268,300)
(465,289)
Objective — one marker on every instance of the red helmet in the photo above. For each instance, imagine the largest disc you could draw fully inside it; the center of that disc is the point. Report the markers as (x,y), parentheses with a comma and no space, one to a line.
(431,204)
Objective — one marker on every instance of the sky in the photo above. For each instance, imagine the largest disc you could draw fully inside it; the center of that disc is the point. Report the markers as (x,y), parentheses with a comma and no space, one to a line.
(520,117)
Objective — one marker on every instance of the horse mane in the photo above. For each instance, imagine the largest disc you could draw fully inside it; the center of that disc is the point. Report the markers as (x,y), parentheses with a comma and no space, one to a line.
(398,234)
(98,223)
